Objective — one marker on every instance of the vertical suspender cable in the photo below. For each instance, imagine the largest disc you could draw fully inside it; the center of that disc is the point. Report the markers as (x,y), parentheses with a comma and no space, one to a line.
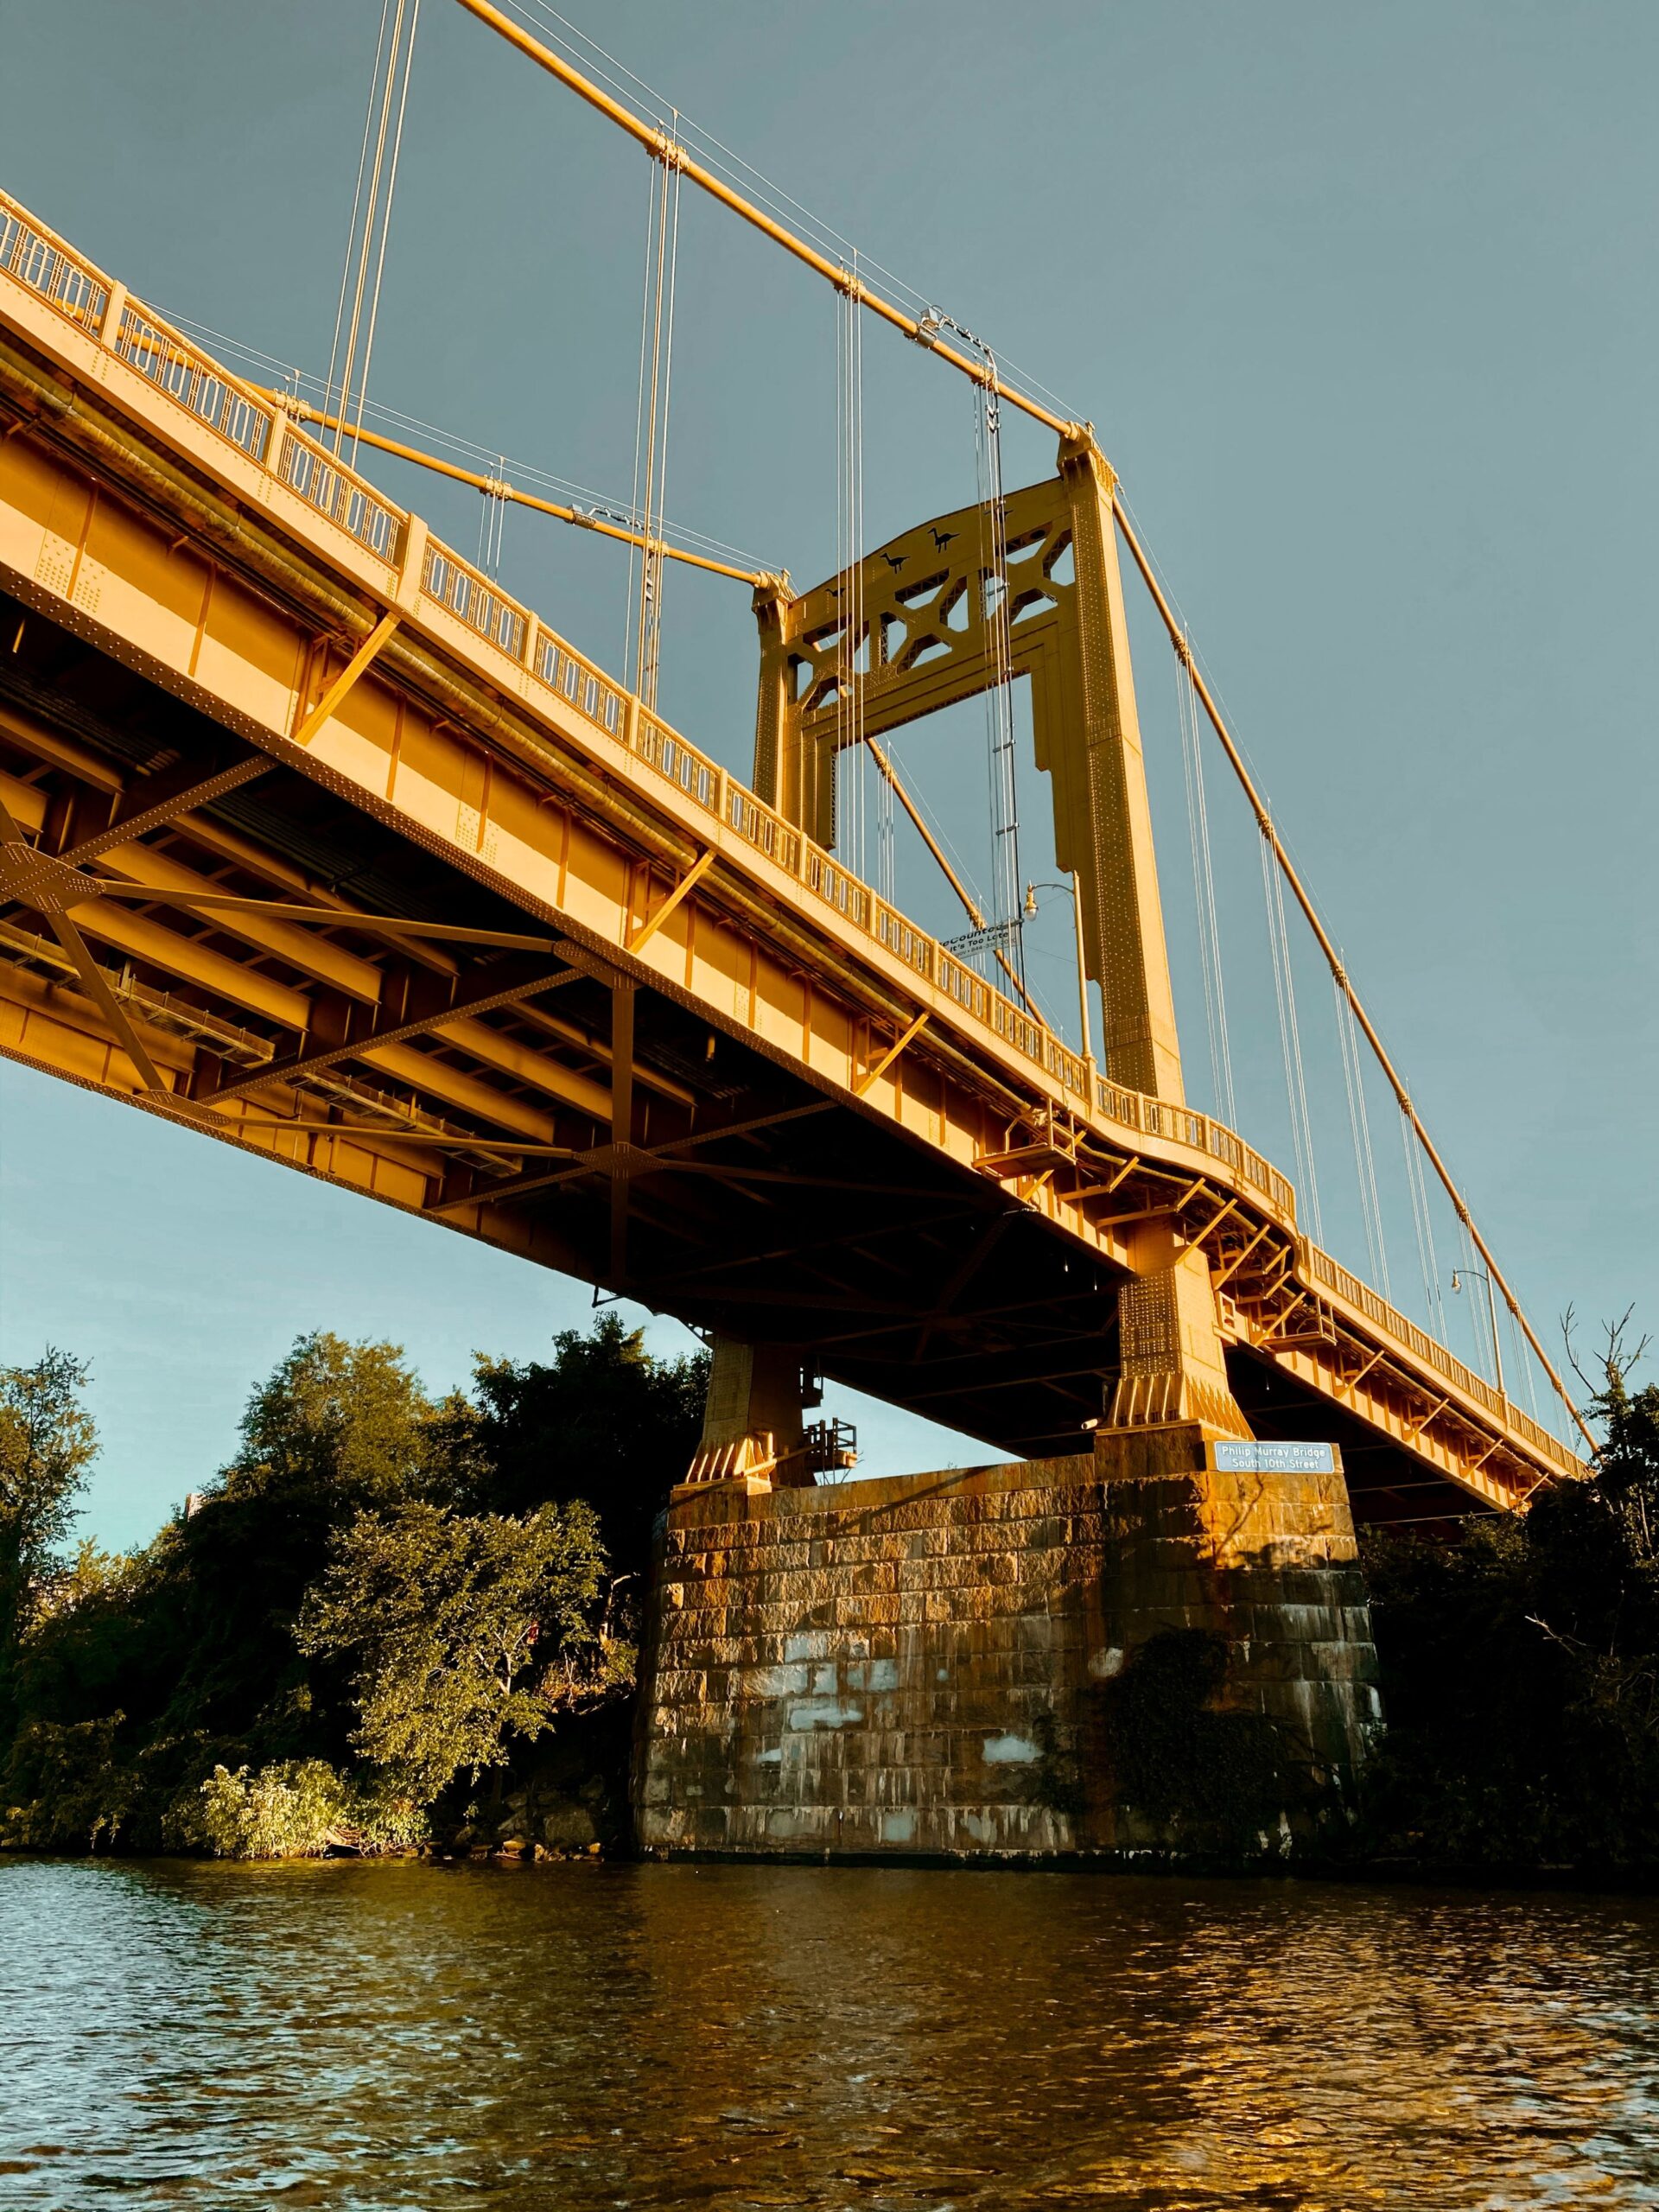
(865,650)
(854,654)
(1287,867)
(659,247)
(636,567)
(991,613)
(329,397)
(1422,1222)
(385,219)
(657,531)
(1204,893)
(842,770)
(1359,1128)
(1290,1039)
(492,522)
(848,770)
(665,269)
(383,89)
(394,51)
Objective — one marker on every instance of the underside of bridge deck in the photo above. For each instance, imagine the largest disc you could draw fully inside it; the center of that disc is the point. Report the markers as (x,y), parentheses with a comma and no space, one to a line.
(539,1098)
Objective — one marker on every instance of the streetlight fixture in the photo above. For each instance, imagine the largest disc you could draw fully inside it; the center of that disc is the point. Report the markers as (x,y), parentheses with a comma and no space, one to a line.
(1481,1275)
(1071,891)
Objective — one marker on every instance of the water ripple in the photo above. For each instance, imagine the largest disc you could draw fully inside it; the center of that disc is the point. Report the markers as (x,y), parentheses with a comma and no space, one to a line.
(733,2038)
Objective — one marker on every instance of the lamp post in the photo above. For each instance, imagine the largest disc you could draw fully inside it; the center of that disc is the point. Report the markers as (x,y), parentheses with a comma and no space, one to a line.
(1481,1275)
(1071,891)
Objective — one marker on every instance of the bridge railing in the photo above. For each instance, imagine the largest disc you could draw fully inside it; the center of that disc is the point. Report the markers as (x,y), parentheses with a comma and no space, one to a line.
(35,257)
(1388,1320)
(325,482)
(259,428)
(1158,1117)
(186,374)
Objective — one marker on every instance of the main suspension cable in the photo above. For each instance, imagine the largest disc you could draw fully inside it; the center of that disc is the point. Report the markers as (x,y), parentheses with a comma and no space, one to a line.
(924,327)
(606,523)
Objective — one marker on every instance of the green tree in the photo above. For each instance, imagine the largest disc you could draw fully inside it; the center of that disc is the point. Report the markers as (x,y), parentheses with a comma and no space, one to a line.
(602,1422)
(461,1631)
(336,1429)
(48,1440)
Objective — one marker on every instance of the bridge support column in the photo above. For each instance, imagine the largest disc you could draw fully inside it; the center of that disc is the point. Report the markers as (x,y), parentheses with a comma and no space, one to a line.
(1233,1597)
(1158,1647)
(1171,1365)
(1236,1642)
(753,1423)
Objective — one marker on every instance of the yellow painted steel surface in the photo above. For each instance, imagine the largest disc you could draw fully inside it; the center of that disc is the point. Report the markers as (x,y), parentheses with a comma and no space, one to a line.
(650,979)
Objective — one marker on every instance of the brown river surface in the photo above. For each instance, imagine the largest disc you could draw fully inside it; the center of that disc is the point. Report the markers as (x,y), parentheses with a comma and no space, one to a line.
(583,2037)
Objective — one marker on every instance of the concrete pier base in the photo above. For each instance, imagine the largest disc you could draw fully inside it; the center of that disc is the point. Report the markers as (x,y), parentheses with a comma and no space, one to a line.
(1161,1647)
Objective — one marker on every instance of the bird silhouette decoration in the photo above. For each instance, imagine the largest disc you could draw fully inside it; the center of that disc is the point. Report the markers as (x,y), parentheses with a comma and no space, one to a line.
(895,561)
(942,537)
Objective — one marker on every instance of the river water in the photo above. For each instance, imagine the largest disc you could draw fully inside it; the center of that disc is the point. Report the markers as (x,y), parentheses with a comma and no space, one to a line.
(579,2036)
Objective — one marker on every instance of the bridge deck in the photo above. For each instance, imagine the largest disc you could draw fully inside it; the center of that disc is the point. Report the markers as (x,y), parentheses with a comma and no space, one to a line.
(713,1068)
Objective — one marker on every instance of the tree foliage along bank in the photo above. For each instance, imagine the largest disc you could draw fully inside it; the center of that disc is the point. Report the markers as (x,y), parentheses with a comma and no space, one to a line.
(1520,1668)
(379,1602)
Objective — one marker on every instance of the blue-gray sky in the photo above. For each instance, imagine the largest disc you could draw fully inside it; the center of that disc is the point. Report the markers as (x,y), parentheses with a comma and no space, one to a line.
(1362,303)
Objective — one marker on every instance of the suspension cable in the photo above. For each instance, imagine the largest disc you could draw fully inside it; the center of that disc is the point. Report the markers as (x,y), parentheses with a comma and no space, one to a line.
(992,612)
(665,269)
(492,522)
(848,758)
(629,672)
(383,88)
(1423,1223)
(970,906)
(583,517)
(925,329)
(396,52)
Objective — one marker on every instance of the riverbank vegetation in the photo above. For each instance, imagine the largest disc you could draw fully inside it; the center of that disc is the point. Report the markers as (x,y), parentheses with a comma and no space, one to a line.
(1520,1668)
(351,1634)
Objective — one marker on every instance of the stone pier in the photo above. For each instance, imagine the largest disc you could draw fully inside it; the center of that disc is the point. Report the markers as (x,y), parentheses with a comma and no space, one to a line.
(1159,1646)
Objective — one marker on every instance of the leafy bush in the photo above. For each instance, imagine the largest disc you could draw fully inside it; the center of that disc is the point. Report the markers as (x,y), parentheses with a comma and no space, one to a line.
(294,1810)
